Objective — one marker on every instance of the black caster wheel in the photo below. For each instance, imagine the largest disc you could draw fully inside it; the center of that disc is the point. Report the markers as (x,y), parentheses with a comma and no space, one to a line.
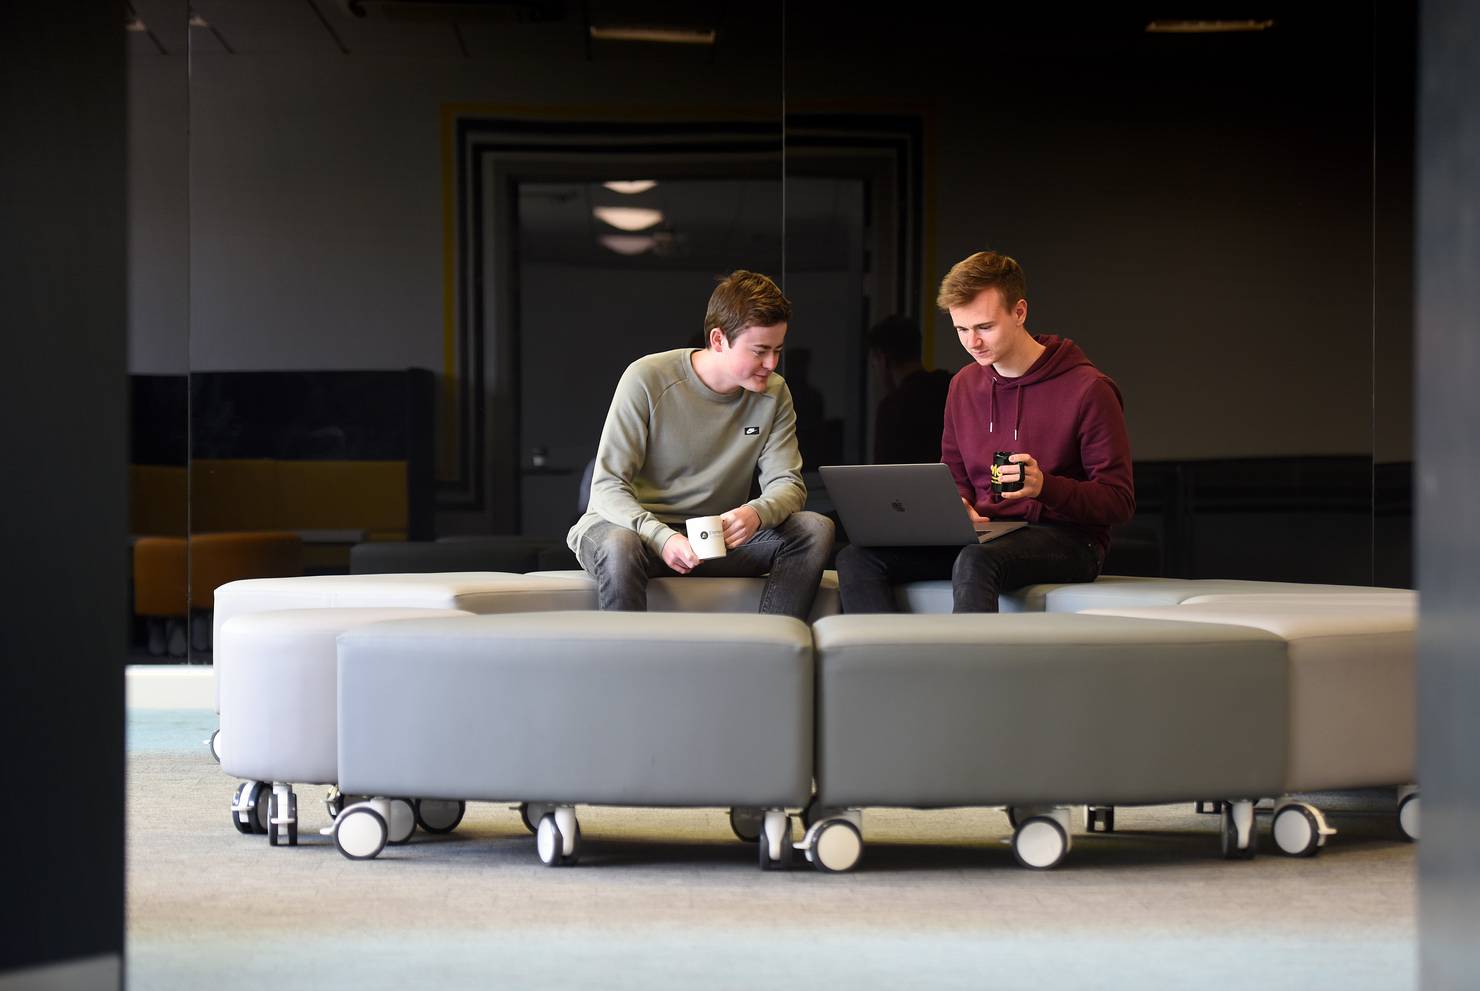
(1296,831)
(550,842)
(837,846)
(767,862)
(282,834)
(1099,819)
(1040,843)
(241,815)
(1229,833)
(530,813)
(437,815)
(249,812)
(747,824)
(360,833)
(215,744)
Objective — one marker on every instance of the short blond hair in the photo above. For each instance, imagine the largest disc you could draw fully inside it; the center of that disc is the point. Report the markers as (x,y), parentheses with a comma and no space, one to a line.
(984,270)
(745,299)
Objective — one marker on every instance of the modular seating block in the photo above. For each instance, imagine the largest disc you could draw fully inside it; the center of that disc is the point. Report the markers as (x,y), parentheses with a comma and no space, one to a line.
(1117,591)
(1353,680)
(598,708)
(695,593)
(1045,708)
(473,592)
(280,690)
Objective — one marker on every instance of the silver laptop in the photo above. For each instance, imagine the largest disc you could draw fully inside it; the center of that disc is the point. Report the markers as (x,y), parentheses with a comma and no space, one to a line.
(904,506)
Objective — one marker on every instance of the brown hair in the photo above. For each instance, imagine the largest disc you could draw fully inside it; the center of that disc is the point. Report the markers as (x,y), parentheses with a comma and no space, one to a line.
(745,299)
(983,270)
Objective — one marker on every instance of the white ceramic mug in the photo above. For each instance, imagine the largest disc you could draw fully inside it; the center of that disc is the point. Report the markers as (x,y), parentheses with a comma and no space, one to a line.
(707,536)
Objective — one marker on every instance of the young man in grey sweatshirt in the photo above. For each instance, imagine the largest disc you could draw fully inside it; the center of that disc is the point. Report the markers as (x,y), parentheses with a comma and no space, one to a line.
(686,433)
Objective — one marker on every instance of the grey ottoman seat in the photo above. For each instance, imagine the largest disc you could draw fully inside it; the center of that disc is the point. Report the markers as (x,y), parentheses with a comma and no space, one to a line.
(474,592)
(1040,710)
(596,708)
(698,594)
(1352,719)
(278,710)
(1116,591)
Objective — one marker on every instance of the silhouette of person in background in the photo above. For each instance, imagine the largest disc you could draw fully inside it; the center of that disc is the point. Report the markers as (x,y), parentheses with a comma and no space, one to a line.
(820,438)
(908,420)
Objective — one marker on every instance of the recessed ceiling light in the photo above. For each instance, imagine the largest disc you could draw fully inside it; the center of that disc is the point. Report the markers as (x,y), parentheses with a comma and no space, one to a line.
(135,25)
(196,21)
(630,187)
(629,244)
(658,35)
(629,218)
(1206,27)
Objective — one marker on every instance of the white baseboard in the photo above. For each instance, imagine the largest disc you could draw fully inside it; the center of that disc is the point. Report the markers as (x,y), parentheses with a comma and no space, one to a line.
(103,973)
(169,686)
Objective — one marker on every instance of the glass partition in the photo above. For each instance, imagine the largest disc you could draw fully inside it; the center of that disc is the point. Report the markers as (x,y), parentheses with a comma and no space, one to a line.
(158,327)
(1198,205)
(425,241)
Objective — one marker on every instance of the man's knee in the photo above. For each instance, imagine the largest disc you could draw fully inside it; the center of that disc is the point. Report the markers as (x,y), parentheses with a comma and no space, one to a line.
(853,560)
(977,563)
(810,529)
(617,548)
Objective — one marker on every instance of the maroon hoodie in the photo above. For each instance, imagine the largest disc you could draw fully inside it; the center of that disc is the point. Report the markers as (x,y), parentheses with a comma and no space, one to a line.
(1063,411)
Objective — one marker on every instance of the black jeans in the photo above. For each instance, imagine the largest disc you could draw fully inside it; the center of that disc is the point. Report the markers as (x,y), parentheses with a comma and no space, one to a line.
(791,556)
(978,572)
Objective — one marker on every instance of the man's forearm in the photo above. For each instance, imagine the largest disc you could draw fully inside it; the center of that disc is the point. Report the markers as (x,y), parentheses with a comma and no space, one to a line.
(778,501)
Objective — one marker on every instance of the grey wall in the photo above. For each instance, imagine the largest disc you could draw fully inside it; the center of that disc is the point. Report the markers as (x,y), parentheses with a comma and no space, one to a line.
(1195,212)
(64,526)
(1204,233)
(159,215)
(316,194)
(1448,513)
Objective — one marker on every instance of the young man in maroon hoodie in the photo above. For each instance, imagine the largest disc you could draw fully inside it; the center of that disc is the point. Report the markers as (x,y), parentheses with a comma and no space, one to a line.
(1039,397)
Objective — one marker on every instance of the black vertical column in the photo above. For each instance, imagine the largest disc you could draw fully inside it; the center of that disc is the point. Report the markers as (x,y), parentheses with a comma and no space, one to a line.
(1448,491)
(63,511)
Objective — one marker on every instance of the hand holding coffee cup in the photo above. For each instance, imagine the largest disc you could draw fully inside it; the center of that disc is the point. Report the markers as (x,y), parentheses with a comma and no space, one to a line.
(740,525)
(1016,475)
(1014,481)
(707,536)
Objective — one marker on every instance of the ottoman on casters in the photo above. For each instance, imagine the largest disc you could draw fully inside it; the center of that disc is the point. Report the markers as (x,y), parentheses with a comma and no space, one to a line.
(552,709)
(278,694)
(1352,720)
(1037,711)
(473,592)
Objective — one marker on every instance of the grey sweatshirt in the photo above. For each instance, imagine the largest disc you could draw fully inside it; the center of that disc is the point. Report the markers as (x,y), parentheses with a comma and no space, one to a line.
(673,448)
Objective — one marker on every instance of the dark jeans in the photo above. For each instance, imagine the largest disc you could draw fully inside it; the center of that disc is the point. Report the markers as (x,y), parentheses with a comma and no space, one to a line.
(791,556)
(978,572)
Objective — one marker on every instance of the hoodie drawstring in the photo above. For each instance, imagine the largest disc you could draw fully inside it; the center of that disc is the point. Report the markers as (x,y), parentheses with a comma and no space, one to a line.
(1017,417)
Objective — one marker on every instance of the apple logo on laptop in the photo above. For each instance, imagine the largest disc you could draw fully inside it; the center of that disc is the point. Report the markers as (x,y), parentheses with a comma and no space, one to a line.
(898,506)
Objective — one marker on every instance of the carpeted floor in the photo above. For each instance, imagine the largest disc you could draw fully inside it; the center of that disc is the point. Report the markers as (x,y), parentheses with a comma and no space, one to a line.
(669,899)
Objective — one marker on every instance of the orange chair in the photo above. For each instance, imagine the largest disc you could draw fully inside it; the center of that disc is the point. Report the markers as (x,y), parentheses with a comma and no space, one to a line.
(218,558)
(160,582)
(176,579)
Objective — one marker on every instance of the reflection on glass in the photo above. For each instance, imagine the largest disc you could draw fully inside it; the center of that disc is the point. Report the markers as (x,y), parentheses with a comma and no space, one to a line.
(589,307)
(158,340)
(425,241)
(1204,233)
